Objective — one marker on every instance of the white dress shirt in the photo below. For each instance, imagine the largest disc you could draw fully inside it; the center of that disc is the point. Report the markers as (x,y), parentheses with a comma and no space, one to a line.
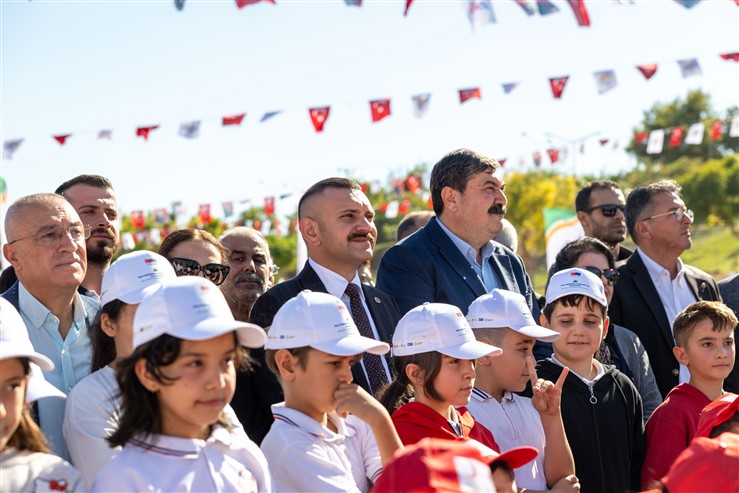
(483,270)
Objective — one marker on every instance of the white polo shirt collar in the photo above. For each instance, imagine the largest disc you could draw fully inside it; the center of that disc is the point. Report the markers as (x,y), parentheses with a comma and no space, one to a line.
(300,420)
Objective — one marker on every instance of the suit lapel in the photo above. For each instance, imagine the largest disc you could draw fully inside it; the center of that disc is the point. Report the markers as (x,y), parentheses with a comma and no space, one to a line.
(310,280)
(699,287)
(501,264)
(644,284)
(451,254)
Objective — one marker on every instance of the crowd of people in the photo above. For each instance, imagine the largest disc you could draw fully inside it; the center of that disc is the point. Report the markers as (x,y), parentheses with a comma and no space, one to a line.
(192,369)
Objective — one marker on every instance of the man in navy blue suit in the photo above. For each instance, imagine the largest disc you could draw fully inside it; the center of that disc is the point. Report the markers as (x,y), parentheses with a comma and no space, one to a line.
(453,259)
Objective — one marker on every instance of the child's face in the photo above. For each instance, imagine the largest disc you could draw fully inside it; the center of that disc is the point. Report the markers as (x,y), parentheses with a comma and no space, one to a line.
(708,354)
(316,382)
(509,370)
(206,378)
(121,330)
(12,397)
(582,329)
(454,383)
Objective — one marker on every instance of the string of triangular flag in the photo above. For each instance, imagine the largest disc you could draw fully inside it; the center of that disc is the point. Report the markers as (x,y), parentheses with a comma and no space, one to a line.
(380,109)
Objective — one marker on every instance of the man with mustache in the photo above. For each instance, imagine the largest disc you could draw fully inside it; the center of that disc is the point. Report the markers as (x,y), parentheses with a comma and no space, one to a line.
(337,223)
(93,198)
(601,210)
(454,259)
(251,271)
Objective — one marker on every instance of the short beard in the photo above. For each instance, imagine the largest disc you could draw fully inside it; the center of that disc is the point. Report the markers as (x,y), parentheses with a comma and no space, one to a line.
(100,253)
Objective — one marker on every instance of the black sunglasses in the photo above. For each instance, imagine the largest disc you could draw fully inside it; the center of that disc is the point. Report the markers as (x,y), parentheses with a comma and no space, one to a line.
(216,273)
(612,275)
(608,210)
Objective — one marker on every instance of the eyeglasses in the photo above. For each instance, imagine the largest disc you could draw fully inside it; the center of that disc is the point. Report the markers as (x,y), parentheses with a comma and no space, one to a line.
(679,215)
(50,236)
(611,275)
(216,273)
(608,210)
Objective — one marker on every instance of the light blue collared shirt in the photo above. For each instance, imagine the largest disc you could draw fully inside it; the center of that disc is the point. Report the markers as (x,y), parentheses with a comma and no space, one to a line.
(71,356)
(485,271)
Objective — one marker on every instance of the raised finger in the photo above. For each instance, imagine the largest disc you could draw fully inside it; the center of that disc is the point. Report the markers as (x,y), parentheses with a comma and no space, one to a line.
(531,364)
(562,377)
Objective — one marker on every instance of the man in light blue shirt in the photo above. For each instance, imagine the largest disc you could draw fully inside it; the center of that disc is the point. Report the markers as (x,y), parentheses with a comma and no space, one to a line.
(46,246)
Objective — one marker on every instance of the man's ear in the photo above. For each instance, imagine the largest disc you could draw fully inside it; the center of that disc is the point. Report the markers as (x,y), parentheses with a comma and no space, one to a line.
(10,256)
(310,231)
(681,355)
(641,228)
(449,197)
(414,374)
(584,219)
(146,379)
(287,364)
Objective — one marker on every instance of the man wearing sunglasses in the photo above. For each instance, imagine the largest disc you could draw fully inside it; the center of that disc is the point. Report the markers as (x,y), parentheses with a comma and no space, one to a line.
(46,246)
(93,198)
(655,284)
(600,207)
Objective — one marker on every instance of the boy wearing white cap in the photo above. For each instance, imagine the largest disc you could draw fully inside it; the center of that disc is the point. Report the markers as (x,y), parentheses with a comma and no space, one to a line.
(601,408)
(502,318)
(25,461)
(329,434)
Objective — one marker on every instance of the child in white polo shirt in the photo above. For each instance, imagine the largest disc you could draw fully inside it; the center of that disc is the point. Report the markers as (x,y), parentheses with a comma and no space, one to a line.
(502,318)
(329,435)
(174,388)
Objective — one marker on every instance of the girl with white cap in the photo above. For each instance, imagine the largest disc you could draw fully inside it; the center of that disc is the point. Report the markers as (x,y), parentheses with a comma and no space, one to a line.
(25,464)
(434,352)
(174,388)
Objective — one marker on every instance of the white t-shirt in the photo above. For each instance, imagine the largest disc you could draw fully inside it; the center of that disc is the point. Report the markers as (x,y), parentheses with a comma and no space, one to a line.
(224,461)
(24,471)
(514,423)
(92,414)
(306,456)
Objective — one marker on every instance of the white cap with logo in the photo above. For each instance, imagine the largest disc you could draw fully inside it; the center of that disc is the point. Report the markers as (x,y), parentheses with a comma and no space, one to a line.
(575,281)
(502,308)
(131,276)
(438,327)
(190,308)
(321,321)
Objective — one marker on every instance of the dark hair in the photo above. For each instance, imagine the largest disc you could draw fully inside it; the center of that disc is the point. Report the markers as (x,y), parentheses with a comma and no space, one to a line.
(400,390)
(28,435)
(721,316)
(640,199)
(96,181)
(571,252)
(319,187)
(182,235)
(103,346)
(140,410)
(301,353)
(730,425)
(582,200)
(573,300)
(455,170)
(409,224)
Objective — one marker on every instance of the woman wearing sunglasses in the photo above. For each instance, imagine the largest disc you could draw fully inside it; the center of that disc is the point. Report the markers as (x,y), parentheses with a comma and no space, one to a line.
(621,347)
(195,252)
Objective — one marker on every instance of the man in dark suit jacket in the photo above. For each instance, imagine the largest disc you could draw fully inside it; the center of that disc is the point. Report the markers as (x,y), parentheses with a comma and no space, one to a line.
(336,221)
(453,259)
(655,285)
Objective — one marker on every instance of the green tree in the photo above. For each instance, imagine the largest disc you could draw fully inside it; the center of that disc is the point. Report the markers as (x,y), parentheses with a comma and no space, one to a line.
(711,190)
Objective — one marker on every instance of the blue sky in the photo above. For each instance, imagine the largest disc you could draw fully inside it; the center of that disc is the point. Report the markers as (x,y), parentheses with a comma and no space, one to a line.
(78,67)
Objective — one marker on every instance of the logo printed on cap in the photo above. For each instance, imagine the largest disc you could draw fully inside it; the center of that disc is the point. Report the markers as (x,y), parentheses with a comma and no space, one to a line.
(150,261)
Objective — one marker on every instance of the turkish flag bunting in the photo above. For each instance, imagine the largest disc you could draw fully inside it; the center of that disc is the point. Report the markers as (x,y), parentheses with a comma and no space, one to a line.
(581,13)
(380,109)
(61,138)
(405,207)
(319,116)
(502,162)
(269,206)
(553,155)
(204,213)
(233,119)
(137,219)
(407,6)
(144,131)
(676,136)
(413,183)
(641,138)
(558,85)
(731,56)
(717,129)
(243,3)
(471,93)
(648,70)
(603,141)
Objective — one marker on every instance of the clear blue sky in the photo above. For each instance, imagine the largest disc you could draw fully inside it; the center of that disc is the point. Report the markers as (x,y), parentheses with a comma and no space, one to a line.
(78,67)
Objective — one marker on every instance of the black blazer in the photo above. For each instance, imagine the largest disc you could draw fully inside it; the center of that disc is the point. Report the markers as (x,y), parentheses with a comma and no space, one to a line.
(636,305)
(258,390)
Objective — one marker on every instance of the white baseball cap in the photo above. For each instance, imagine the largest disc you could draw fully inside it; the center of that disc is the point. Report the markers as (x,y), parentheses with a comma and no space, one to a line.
(14,343)
(438,327)
(190,308)
(575,281)
(502,308)
(321,321)
(131,276)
